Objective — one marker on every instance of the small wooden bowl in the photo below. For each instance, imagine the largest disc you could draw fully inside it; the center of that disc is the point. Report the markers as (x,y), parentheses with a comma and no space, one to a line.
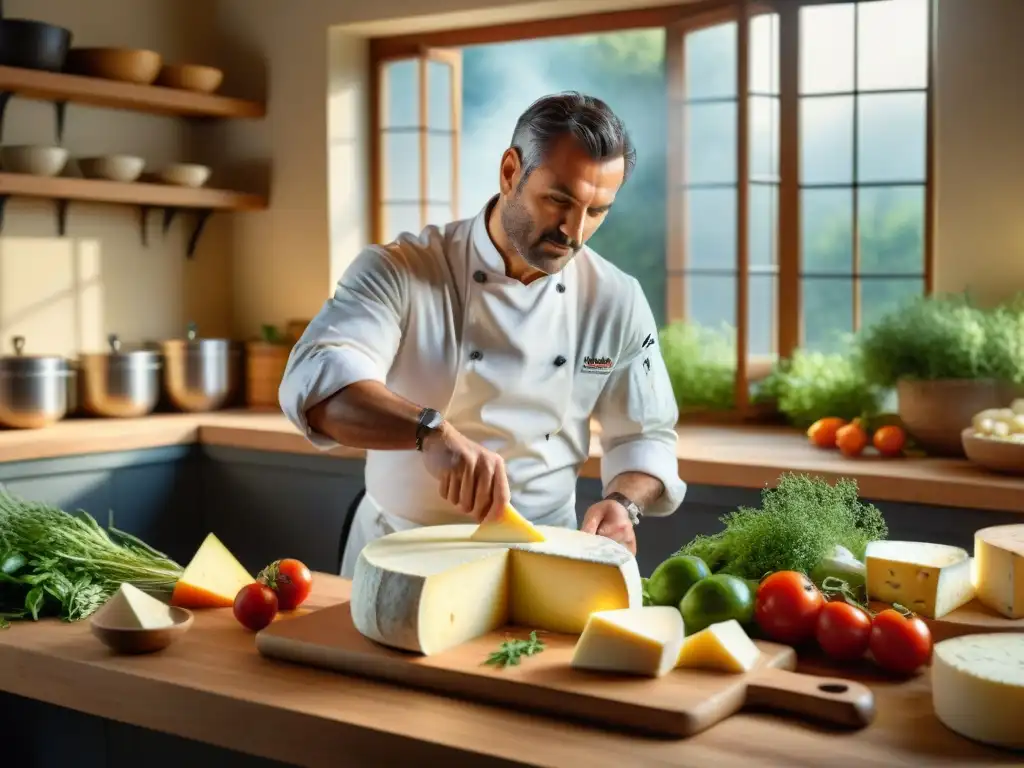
(996,455)
(127,65)
(130,640)
(190,77)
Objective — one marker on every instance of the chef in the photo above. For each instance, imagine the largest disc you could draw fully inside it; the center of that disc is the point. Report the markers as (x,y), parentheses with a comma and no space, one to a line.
(469,359)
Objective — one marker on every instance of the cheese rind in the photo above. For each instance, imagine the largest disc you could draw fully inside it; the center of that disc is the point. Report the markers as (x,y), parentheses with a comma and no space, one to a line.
(212,579)
(510,527)
(930,579)
(999,562)
(131,608)
(431,588)
(724,646)
(978,687)
(634,641)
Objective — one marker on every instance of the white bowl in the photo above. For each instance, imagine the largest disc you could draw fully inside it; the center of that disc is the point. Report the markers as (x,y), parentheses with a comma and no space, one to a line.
(112,167)
(38,161)
(184,174)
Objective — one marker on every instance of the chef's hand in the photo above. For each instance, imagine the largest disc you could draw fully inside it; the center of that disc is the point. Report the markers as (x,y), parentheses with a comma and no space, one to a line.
(470,476)
(609,518)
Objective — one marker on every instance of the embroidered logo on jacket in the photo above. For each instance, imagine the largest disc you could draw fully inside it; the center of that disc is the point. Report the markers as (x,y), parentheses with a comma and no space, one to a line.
(597,365)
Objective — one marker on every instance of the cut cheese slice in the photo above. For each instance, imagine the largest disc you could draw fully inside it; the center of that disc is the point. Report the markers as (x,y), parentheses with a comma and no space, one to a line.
(999,562)
(978,687)
(431,588)
(212,578)
(131,608)
(929,579)
(509,527)
(724,646)
(632,641)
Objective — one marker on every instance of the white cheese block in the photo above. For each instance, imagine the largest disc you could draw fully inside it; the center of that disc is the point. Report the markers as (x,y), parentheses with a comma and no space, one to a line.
(131,608)
(929,579)
(633,641)
(978,687)
(431,588)
(724,646)
(999,562)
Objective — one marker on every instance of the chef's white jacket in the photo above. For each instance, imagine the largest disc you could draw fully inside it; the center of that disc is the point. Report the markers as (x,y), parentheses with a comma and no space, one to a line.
(520,369)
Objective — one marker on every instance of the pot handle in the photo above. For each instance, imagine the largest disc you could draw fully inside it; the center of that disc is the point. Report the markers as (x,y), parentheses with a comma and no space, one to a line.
(19,344)
(192,331)
(112,339)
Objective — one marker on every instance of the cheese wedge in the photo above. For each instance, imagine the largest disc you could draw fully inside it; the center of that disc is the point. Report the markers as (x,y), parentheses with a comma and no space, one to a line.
(212,578)
(978,687)
(633,641)
(431,588)
(929,579)
(510,527)
(131,608)
(999,562)
(724,646)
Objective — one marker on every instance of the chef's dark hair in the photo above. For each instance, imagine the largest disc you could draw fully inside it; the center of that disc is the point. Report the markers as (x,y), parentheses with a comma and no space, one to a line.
(588,119)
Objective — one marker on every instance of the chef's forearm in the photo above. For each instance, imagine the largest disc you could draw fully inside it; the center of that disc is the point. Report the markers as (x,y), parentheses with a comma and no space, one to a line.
(367,415)
(639,487)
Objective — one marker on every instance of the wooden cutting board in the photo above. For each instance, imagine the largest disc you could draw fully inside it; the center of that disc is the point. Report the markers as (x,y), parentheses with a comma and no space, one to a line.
(682,703)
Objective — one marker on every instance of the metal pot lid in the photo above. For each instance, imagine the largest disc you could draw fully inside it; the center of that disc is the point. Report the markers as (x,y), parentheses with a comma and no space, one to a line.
(193,342)
(120,356)
(30,365)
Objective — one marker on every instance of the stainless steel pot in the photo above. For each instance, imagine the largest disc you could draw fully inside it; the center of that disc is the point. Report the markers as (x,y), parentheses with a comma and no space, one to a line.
(33,390)
(119,383)
(200,374)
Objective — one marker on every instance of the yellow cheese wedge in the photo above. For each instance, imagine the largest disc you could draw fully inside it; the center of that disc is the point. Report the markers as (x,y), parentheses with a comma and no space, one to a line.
(509,527)
(212,578)
(929,579)
(636,641)
(724,646)
(999,561)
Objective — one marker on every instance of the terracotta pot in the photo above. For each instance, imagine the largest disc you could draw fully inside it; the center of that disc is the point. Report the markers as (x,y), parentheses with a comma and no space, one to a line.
(935,413)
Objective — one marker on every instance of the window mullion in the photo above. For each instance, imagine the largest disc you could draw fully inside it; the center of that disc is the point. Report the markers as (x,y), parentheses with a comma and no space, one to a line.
(789,255)
(742,203)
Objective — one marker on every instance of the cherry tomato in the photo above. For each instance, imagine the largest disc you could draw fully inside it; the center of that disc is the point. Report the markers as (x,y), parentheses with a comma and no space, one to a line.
(290,579)
(900,644)
(843,631)
(255,606)
(787,607)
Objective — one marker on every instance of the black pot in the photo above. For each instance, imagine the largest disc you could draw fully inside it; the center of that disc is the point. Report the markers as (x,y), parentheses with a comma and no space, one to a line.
(33,44)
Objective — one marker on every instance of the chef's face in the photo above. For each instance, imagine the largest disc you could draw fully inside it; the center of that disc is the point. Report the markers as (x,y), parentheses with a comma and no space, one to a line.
(563,202)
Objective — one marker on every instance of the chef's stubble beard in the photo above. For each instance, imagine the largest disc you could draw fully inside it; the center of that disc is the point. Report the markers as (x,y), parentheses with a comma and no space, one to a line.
(518,226)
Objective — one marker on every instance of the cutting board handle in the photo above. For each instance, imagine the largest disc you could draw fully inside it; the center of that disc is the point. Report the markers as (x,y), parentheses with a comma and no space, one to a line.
(842,702)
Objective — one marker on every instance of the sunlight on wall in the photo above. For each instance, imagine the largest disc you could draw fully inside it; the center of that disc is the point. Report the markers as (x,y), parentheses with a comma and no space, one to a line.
(51,290)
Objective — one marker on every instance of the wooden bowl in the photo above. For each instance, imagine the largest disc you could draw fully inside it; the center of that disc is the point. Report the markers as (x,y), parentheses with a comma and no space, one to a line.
(128,65)
(112,167)
(184,174)
(38,161)
(131,640)
(998,455)
(190,77)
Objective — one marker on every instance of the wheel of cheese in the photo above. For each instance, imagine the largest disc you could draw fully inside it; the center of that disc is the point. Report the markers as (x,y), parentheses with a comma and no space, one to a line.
(999,559)
(432,588)
(978,687)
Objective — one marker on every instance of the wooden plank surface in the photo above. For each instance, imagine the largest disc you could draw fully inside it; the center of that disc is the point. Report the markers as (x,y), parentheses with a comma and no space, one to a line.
(214,686)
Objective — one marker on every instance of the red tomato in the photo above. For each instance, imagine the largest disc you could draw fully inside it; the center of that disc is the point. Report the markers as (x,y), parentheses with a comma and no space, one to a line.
(900,644)
(843,631)
(255,606)
(787,607)
(290,579)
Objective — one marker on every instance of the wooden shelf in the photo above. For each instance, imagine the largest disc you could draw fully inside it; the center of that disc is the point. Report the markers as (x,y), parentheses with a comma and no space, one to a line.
(99,92)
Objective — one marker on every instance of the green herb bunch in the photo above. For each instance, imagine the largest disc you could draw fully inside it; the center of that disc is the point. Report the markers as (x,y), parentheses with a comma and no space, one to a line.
(701,365)
(799,523)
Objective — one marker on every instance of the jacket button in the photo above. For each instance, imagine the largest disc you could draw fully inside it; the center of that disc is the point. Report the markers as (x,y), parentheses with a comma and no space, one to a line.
(559,360)
(480,276)
(560,288)
(476,354)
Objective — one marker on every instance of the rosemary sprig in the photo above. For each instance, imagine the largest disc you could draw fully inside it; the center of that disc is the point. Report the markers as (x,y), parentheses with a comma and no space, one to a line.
(511,651)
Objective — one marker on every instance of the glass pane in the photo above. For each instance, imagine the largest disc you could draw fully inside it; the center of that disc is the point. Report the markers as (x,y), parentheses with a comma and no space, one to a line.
(891,228)
(891,137)
(401,83)
(826,48)
(401,218)
(892,39)
(710,65)
(764,213)
(764,54)
(827,312)
(826,140)
(711,300)
(826,223)
(761,315)
(710,143)
(439,168)
(881,296)
(439,215)
(711,228)
(764,137)
(402,161)
(439,96)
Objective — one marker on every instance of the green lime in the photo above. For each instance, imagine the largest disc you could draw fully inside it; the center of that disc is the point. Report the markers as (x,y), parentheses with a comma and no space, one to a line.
(715,599)
(673,578)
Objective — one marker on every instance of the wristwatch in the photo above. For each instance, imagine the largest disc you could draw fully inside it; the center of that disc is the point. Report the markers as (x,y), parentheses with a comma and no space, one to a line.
(631,508)
(429,422)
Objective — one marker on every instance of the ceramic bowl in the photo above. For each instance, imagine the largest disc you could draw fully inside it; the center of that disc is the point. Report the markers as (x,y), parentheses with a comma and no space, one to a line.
(35,160)
(112,167)
(131,640)
(184,174)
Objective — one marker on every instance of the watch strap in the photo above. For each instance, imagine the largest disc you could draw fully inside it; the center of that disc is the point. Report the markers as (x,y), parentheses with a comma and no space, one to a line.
(428,423)
(631,507)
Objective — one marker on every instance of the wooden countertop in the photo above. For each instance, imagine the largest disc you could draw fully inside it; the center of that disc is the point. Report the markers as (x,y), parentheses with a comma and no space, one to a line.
(213,677)
(733,456)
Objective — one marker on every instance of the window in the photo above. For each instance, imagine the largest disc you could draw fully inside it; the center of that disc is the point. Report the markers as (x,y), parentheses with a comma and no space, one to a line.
(792,201)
